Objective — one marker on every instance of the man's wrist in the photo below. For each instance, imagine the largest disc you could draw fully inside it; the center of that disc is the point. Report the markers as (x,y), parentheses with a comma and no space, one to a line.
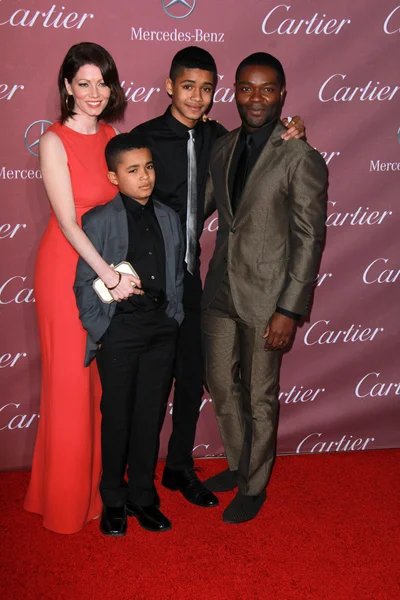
(288,313)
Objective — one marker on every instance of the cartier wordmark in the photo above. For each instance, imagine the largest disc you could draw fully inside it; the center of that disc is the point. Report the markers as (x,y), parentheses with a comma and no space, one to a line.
(54,17)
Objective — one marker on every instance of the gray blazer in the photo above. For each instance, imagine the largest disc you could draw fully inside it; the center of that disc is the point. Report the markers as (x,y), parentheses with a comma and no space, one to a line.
(272,246)
(107,228)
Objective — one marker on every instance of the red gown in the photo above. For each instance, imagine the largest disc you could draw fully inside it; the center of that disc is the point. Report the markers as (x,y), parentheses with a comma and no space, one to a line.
(66,464)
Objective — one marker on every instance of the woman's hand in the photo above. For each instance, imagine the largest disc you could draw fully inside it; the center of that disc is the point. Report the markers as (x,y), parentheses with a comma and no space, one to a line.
(128,286)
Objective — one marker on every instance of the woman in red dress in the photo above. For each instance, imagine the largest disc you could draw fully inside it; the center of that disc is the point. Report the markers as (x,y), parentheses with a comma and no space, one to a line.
(66,463)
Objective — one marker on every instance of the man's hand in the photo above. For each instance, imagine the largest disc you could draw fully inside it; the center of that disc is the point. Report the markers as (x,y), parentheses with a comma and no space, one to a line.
(206,118)
(279,332)
(295,129)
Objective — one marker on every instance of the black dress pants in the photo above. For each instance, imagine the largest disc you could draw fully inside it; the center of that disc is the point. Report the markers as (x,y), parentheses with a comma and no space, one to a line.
(188,374)
(135,364)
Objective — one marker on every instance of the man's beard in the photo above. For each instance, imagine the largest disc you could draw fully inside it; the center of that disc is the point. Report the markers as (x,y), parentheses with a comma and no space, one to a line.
(271,114)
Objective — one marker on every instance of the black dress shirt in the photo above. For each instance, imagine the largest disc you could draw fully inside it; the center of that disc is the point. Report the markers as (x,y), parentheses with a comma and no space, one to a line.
(146,253)
(258,140)
(168,139)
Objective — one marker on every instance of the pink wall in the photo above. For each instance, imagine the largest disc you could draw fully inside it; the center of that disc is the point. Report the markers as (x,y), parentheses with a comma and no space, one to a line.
(340,385)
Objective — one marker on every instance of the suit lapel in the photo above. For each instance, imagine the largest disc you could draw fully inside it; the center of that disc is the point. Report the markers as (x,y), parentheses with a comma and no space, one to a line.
(268,152)
(226,159)
(121,233)
(166,230)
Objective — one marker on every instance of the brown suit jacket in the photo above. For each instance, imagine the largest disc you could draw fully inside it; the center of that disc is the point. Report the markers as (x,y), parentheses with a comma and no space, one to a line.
(271,248)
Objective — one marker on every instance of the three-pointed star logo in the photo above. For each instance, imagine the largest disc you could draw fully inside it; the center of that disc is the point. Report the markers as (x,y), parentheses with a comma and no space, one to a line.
(169,8)
(33,133)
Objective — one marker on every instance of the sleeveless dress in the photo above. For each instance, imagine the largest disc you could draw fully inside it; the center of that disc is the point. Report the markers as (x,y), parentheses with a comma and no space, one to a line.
(66,464)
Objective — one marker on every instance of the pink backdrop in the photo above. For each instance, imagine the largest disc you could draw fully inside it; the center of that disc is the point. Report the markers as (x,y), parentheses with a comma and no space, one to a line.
(340,387)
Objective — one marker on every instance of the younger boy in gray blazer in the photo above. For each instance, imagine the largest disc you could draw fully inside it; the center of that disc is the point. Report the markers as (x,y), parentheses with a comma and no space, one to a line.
(133,339)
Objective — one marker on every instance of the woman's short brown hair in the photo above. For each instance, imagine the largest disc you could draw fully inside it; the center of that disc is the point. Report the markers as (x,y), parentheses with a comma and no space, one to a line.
(88,53)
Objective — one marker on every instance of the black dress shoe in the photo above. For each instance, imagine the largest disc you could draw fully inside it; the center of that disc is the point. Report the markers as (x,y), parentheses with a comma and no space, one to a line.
(243,508)
(149,517)
(222,482)
(190,486)
(113,521)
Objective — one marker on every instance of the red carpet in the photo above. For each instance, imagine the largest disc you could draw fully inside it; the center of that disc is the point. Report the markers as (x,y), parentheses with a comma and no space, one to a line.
(328,531)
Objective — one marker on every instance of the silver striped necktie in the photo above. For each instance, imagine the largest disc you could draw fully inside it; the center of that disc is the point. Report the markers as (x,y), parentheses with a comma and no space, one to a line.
(191,209)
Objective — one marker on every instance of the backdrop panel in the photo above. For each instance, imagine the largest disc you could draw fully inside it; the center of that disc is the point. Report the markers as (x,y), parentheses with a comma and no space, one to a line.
(340,387)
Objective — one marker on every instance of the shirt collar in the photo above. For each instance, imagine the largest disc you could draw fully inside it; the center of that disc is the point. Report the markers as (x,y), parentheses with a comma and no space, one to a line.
(133,206)
(177,127)
(262,135)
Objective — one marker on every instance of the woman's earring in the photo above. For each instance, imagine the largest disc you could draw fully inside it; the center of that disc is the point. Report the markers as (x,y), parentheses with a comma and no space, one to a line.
(67,102)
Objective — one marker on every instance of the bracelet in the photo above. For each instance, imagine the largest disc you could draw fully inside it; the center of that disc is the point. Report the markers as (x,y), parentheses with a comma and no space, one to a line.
(114,286)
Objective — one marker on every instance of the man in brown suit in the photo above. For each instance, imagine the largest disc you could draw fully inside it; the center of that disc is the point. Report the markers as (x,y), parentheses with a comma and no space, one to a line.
(271,202)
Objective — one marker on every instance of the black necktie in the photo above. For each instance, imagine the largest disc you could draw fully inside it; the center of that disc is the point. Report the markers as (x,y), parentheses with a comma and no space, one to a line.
(242,171)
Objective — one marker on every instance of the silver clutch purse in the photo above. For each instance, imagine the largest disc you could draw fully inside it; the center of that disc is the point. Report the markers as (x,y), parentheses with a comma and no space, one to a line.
(100,287)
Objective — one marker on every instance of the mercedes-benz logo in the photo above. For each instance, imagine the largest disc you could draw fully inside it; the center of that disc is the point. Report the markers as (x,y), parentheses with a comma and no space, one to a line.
(178,9)
(33,133)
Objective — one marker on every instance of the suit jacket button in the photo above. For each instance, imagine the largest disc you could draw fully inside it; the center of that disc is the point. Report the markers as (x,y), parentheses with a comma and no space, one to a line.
(225,259)
(233,229)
